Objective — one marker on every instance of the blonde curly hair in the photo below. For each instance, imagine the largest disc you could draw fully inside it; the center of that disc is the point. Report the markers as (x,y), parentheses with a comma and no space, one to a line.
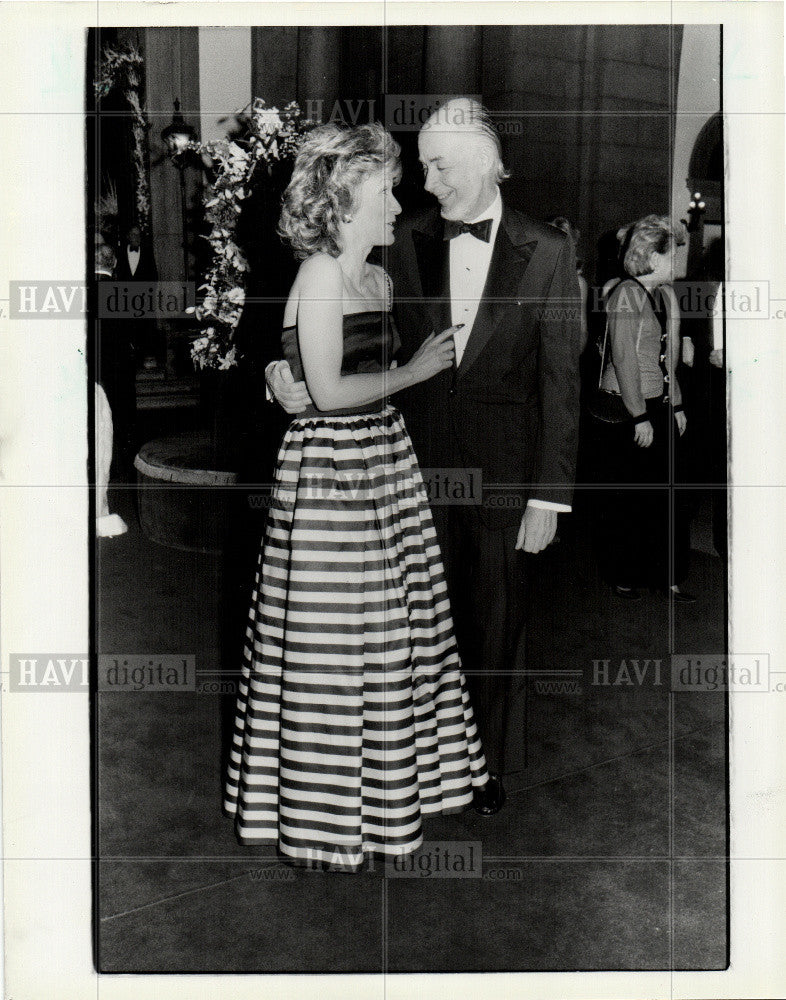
(638,240)
(331,163)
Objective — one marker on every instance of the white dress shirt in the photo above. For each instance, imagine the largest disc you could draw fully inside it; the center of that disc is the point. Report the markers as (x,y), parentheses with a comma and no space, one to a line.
(469,267)
(133,258)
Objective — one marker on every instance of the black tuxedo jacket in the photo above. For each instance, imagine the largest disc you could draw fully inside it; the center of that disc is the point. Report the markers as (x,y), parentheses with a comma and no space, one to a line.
(511,408)
(146,269)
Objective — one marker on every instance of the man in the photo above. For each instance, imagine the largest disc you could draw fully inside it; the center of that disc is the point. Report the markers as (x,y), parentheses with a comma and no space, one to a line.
(135,263)
(114,364)
(509,407)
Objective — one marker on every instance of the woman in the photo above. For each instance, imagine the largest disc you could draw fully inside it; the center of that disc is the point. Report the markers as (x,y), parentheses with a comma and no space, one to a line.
(641,353)
(353,717)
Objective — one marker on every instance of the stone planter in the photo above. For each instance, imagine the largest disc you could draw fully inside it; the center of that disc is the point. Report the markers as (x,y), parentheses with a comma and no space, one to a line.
(183,502)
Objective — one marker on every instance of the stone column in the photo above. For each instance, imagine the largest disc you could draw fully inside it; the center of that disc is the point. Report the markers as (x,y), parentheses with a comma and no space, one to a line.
(171,71)
(274,64)
(318,63)
(452,62)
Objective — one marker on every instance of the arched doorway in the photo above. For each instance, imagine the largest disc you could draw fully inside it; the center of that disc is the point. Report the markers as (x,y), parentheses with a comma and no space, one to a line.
(705,185)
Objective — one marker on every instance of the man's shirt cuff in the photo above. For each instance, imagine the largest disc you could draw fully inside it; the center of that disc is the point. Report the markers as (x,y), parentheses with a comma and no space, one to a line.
(268,394)
(548,505)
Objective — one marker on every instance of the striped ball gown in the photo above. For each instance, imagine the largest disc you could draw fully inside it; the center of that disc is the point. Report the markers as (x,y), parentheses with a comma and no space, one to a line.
(353,719)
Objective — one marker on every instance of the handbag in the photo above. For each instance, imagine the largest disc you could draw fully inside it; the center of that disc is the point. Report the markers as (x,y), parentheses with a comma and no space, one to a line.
(603,404)
(608,407)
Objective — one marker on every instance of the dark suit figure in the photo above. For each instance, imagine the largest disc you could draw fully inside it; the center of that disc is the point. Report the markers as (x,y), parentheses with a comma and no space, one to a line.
(510,409)
(135,263)
(135,260)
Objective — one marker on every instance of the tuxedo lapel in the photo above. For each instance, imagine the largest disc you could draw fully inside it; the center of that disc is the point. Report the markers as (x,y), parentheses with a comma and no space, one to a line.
(431,251)
(513,249)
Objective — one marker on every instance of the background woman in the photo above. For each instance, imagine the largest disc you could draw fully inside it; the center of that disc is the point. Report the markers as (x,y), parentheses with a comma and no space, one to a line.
(353,717)
(646,540)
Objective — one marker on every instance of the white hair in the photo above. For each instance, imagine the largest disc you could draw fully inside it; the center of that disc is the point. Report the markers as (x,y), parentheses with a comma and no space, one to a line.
(465,114)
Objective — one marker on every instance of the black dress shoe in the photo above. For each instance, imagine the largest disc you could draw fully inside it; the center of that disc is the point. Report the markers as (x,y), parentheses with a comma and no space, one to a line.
(626,593)
(489,799)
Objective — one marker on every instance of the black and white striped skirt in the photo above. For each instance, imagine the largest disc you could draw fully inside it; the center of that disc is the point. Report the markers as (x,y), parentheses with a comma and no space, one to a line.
(353,719)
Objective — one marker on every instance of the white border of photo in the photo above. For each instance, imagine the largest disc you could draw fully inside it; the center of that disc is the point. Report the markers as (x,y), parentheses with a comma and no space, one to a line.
(44,573)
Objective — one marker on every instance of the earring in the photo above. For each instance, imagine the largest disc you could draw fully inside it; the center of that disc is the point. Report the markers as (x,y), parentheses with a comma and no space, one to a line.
(346,219)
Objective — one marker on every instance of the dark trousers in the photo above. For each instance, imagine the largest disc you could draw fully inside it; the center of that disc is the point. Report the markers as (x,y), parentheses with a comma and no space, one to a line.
(485,577)
(643,520)
(149,342)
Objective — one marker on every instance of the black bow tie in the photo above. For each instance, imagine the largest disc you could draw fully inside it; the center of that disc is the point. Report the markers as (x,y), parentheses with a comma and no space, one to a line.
(480,230)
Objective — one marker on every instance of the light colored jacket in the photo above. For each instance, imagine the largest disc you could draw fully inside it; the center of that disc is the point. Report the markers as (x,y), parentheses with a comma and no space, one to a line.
(633,343)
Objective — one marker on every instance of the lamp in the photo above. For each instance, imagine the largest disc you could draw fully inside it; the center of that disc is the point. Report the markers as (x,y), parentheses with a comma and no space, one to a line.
(178,132)
(696,210)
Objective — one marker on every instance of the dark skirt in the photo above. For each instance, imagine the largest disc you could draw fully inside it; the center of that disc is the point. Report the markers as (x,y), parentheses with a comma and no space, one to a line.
(642,515)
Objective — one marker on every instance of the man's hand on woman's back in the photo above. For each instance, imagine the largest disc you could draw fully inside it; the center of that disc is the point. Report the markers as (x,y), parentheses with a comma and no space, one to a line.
(290,395)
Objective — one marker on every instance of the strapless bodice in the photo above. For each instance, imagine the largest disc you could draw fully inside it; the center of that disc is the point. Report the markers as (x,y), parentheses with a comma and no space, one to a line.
(370,342)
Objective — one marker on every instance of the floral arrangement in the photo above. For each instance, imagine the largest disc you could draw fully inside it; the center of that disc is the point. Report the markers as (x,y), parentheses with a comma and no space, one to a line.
(123,68)
(106,215)
(270,136)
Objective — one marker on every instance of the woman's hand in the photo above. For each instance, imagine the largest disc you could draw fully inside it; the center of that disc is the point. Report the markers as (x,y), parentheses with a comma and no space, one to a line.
(682,421)
(434,355)
(643,434)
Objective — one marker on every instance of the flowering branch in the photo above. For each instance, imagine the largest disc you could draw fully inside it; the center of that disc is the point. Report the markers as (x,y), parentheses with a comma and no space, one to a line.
(273,137)
(122,68)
